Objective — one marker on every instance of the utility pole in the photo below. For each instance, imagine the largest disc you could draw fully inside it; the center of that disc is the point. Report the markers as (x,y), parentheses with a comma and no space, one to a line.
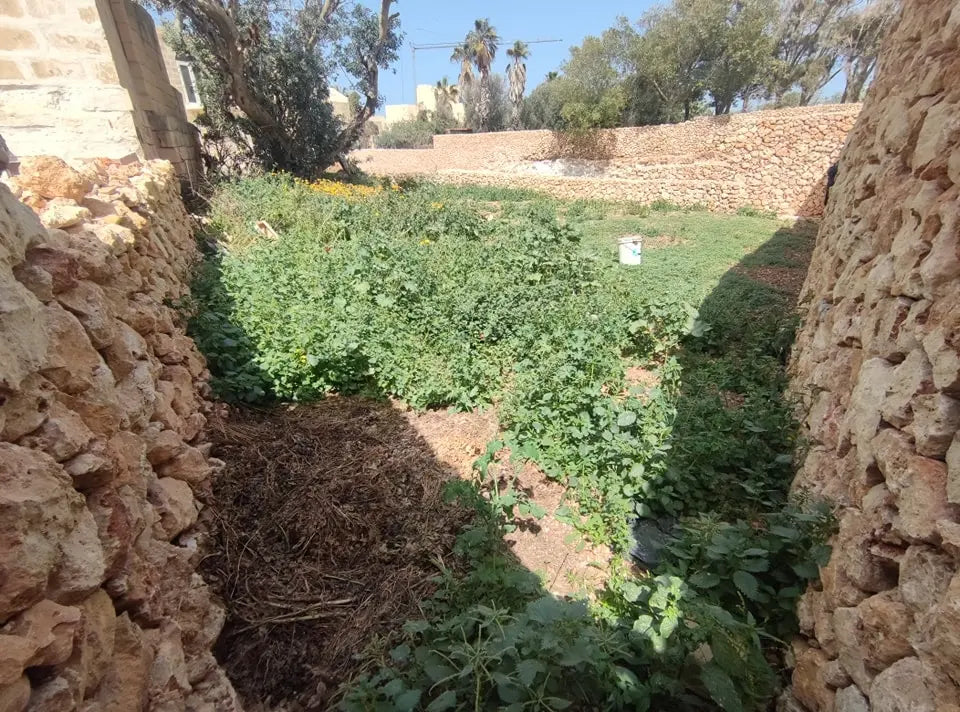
(414,48)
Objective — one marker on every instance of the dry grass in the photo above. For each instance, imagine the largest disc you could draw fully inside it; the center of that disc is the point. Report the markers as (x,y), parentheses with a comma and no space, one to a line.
(328,524)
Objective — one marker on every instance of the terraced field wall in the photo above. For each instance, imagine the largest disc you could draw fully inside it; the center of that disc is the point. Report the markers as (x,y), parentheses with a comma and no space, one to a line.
(102,459)
(771,160)
(877,366)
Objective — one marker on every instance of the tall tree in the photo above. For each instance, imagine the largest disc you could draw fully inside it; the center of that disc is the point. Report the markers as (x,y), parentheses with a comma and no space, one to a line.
(481,45)
(743,44)
(446,95)
(673,53)
(517,76)
(263,67)
(863,31)
(462,56)
(808,46)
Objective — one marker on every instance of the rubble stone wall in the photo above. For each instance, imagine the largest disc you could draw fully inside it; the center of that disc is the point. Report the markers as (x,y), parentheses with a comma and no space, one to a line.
(102,459)
(877,363)
(772,160)
(87,78)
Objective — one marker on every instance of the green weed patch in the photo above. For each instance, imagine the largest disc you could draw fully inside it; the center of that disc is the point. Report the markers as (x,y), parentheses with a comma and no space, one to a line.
(427,295)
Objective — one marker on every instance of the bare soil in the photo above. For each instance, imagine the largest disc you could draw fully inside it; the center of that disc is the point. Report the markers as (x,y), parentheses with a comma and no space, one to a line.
(328,524)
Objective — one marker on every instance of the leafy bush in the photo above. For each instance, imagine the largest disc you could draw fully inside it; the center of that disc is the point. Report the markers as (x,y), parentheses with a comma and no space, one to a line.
(413,133)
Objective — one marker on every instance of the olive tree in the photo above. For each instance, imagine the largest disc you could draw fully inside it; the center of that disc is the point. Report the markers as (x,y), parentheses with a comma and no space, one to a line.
(263,68)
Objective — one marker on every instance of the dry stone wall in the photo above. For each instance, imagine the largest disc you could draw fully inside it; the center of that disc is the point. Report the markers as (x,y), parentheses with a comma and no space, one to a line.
(102,456)
(877,363)
(773,160)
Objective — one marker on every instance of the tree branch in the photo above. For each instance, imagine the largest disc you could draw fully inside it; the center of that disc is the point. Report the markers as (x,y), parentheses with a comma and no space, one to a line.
(371,83)
(217,24)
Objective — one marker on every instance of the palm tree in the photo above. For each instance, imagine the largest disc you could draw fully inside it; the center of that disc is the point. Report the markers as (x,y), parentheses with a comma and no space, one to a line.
(481,44)
(517,74)
(461,54)
(446,94)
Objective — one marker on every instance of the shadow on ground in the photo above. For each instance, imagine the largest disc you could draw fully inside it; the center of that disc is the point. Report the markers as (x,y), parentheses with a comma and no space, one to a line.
(329,525)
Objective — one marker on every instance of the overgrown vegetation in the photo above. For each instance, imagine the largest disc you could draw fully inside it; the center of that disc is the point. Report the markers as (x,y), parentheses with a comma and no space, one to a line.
(472,297)
(412,133)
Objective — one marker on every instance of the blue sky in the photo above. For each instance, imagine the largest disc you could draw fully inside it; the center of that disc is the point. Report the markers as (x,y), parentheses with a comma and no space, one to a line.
(436,21)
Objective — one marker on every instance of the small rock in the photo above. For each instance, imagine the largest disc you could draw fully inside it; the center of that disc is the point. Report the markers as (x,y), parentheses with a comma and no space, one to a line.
(63,214)
(50,627)
(850,699)
(50,177)
(16,696)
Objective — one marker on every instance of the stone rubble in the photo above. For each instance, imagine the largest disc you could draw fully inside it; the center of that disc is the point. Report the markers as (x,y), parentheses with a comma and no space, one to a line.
(102,402)
(877,367)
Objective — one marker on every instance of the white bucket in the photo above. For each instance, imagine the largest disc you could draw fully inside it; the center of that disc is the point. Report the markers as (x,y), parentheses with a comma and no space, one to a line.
(630,248)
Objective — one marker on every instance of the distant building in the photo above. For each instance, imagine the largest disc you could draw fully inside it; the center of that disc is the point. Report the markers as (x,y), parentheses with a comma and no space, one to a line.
(341,104)
(426,101)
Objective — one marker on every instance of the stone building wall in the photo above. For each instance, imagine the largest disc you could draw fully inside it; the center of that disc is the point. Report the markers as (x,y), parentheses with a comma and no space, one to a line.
(87,78)
(877,363)
(102,459)
(774,160)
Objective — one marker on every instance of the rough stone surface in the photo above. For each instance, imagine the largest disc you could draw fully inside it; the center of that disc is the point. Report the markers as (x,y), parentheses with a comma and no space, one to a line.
(98,609)
(877,361)
(772,160)
(85,78)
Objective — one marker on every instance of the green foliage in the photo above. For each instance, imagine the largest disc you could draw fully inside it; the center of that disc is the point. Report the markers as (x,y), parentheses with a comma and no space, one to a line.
(413,133)
(427,295)
(689,56)
(263,69)
(750,211)
(492,639)
(287,80)
(757,567)
(498,105)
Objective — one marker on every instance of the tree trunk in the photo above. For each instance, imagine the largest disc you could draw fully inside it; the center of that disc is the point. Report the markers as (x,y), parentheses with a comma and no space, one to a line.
(483,103)
(686,111)
(515,118)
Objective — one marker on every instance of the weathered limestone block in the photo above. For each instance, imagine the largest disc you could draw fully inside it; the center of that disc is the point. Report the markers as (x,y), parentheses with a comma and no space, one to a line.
(51,177)
(38,510)
(50,628)
(925,574)
(887,261)
(901,688)
(16,696)
(173,501)
(63,213)
(125,685)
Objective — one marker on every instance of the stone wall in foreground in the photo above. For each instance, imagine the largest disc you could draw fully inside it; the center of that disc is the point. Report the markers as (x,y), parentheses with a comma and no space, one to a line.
(101,453)
(773,160)
(878,364)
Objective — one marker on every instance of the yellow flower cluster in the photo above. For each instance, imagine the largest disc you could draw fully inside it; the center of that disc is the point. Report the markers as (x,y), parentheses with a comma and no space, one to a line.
(337,189)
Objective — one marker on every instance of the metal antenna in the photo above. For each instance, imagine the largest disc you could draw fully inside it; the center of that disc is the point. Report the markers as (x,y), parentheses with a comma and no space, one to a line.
(448,45)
